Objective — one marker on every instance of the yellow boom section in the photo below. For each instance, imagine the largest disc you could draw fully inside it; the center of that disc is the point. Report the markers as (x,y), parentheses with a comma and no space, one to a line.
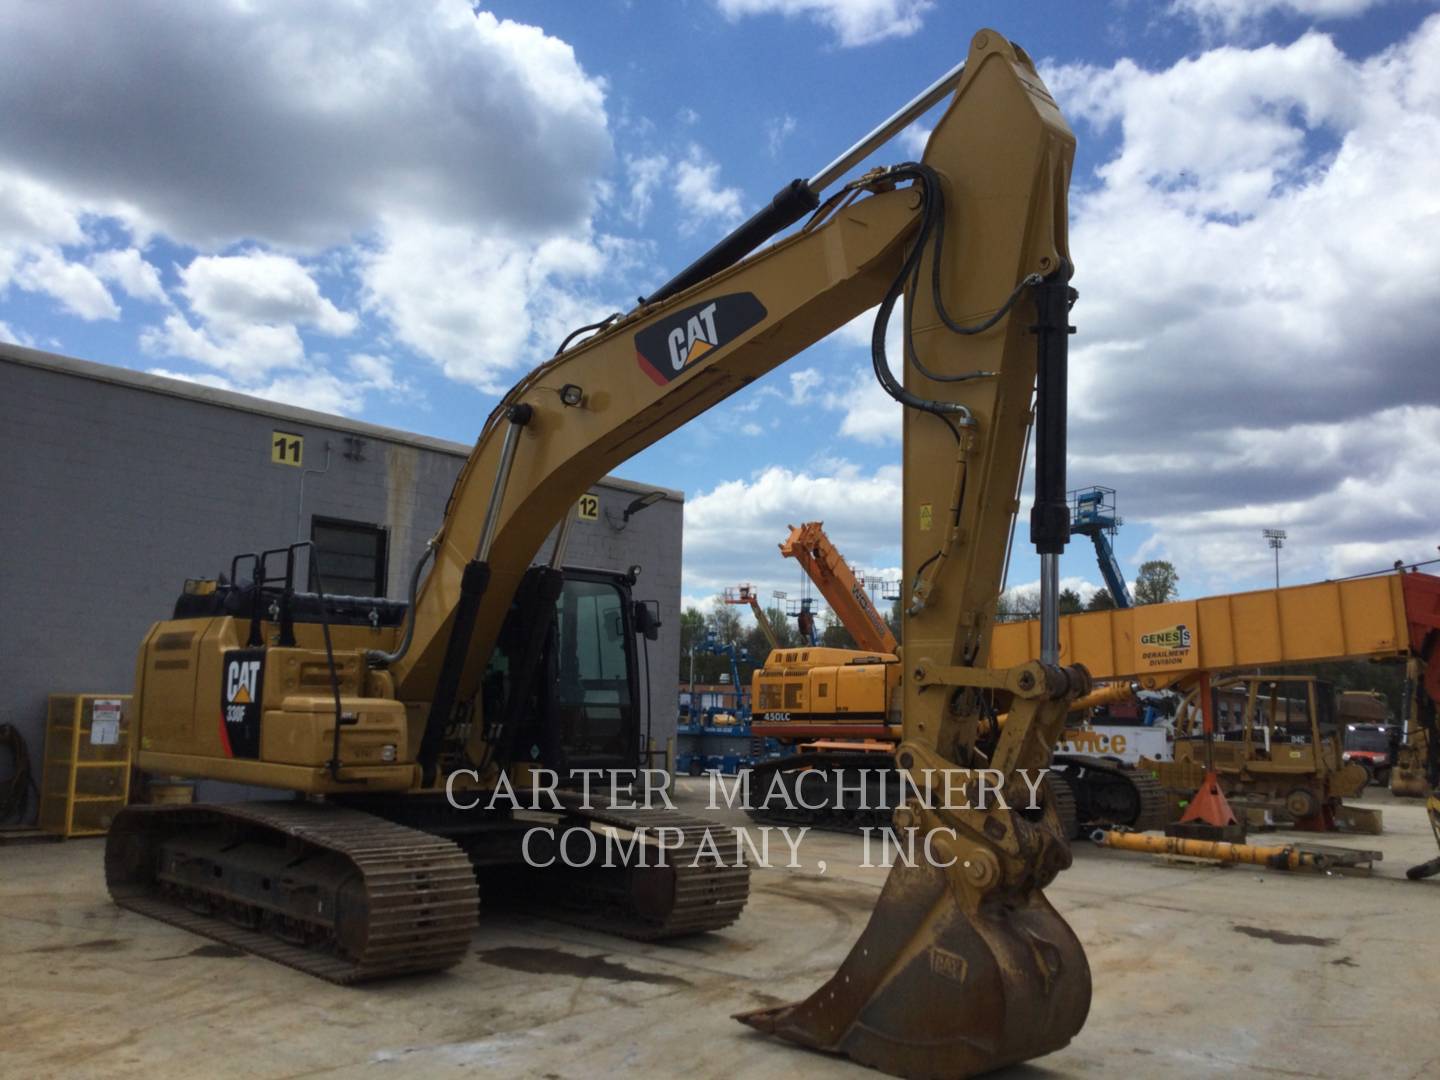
(1160,643)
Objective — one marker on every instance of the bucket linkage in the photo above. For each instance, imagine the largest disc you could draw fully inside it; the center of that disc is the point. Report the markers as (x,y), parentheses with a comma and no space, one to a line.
(964,965)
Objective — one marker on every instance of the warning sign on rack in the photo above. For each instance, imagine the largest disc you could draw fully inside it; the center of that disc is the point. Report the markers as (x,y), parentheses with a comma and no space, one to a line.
(105,722)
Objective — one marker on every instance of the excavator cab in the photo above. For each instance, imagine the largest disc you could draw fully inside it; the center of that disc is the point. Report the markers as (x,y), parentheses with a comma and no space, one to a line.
(585,702)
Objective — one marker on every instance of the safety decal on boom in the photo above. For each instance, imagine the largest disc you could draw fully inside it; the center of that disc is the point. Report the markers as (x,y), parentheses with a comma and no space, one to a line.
(667,348)
(242,682)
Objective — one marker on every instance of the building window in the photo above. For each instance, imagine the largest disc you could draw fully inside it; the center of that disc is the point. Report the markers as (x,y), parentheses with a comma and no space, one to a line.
(351,555)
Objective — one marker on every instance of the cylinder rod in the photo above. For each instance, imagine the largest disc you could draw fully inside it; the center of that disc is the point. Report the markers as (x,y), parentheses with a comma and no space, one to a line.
(915,108)
(799,197)
(519,416)
(1050,609)
(562,540)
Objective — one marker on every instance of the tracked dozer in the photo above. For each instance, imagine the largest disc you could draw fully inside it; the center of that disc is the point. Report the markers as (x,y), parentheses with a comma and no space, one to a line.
(385,728)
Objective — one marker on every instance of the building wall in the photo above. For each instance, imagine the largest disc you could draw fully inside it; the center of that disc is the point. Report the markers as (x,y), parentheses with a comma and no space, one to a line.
(117,486)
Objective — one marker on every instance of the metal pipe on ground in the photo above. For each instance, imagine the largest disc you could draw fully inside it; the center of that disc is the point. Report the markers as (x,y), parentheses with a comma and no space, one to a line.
(1275,857)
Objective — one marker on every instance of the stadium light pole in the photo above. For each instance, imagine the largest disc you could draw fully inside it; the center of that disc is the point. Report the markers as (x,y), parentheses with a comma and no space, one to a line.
(1276,538)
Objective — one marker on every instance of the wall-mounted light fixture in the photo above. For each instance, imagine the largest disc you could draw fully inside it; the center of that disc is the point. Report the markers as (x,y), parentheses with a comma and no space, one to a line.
(650,498)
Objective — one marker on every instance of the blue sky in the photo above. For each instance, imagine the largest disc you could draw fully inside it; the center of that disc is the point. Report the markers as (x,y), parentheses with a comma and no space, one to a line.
(391,211)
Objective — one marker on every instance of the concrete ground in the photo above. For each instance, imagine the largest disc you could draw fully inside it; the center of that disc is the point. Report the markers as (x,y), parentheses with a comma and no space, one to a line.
(1197,971)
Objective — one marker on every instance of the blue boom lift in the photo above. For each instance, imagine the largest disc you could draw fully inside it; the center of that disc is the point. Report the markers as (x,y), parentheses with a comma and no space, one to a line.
(1092,514)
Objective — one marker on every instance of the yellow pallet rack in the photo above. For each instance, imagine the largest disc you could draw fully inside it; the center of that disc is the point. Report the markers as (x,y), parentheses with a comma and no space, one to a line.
(85,781)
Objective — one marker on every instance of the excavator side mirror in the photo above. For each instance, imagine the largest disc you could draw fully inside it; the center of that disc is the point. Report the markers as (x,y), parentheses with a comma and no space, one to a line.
(647,618)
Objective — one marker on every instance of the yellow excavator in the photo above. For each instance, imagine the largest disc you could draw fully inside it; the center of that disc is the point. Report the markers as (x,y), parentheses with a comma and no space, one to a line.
(498,666)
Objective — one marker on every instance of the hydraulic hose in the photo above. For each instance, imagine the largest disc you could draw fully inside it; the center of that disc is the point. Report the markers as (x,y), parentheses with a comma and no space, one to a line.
(380,658)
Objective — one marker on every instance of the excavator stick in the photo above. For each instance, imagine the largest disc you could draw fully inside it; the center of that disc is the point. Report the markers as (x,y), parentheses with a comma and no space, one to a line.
(965,966)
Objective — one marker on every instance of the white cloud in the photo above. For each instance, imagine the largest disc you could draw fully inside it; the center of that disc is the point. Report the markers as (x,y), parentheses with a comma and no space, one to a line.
(802,382)
(1027,593)
(297,125)
(428,149)
(1258,311)
(318,390)
(247,351)
(853,22)
(258,287)
(251,308)
(700,194)
(36,223)
(19,337)
(777,130)
(732,530)
(32,212)
(1232,16)
(871,415)
(127,268)
(377,372)
(913,139)
(76,287)
(643,175)
(752,429)
(497,301)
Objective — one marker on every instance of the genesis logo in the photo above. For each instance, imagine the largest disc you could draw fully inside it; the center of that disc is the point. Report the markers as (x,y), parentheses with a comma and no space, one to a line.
(1172,637)
(671,345)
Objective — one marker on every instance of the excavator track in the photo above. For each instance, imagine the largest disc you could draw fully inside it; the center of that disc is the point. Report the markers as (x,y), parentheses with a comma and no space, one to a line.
(1108,793)
(826,809)
(1065,808)
(693,893)
(331,891)
(1086,791)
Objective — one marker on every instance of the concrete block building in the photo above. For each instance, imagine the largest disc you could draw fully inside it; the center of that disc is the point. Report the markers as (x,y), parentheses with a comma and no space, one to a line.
(116,486)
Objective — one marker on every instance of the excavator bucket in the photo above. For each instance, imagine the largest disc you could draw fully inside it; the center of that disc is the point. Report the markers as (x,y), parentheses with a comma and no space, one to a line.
(932,989)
